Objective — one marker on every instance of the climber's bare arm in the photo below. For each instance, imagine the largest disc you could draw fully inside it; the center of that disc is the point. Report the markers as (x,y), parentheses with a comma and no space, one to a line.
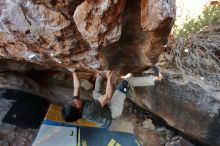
(76,85)
(109,90)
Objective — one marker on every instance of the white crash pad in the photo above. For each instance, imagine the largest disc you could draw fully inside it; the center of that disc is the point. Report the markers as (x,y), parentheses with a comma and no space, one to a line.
(51,135)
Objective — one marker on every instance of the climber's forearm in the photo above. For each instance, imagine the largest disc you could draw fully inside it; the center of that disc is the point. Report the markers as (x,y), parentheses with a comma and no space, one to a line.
(108,91)
(76,85)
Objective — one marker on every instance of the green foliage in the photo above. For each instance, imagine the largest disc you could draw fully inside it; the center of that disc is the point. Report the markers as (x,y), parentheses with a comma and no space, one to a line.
(210,16)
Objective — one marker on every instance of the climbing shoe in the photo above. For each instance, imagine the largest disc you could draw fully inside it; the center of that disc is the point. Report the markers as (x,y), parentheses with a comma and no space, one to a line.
(123,87)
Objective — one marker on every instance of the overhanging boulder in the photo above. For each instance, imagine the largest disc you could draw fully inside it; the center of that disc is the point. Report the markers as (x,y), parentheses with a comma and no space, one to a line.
(87,35)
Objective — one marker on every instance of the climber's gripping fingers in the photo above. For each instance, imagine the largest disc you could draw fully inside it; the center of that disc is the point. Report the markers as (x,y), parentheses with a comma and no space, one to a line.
(71,69)
(102,73)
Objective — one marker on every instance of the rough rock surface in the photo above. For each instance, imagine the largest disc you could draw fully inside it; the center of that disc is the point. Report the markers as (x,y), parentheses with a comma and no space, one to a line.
(186,103)
(87,35)
(154,13)
(43,32)
(157,19)
(99,22)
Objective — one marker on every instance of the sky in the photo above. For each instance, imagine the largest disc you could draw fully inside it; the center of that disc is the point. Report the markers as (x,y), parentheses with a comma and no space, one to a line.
(191,8)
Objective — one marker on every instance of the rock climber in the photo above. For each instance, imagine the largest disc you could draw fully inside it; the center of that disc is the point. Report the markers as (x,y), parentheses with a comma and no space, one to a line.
(104,107)
(101,109)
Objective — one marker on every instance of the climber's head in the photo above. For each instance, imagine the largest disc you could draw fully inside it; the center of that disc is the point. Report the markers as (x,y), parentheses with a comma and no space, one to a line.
(72,110)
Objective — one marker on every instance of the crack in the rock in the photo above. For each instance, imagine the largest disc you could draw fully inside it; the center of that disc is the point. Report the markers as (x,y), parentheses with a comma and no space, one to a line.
(22,8)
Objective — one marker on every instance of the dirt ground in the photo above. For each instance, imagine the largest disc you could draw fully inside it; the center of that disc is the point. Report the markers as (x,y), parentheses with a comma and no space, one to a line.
(20,117)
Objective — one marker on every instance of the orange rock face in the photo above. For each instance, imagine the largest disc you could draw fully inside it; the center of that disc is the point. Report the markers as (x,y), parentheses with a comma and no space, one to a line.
(86,35)
(99,21)
(157,18)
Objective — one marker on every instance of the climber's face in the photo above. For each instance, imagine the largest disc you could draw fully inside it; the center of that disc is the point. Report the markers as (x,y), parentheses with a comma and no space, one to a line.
(77,103)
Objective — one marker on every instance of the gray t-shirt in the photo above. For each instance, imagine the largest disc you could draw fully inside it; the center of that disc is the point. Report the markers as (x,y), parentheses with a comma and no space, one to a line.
(93,111)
